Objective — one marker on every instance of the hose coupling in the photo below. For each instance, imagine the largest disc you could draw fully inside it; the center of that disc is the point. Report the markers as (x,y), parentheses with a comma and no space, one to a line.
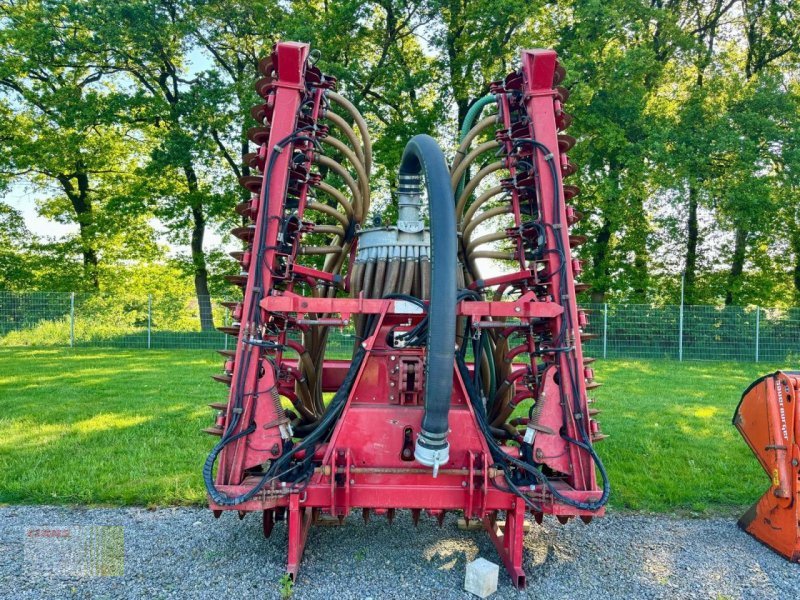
(432,450)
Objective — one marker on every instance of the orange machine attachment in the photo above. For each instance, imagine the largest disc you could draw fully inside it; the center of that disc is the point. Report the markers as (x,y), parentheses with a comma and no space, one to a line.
(768,419)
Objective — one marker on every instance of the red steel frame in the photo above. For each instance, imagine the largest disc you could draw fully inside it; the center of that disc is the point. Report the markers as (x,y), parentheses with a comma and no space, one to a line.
(365,463)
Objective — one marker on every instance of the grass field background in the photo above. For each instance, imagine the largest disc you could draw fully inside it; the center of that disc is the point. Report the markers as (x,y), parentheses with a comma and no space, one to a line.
(123,427)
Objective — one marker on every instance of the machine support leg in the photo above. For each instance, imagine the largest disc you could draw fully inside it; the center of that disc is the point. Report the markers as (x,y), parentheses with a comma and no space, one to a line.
(299,523)
(269,522)
(508,542)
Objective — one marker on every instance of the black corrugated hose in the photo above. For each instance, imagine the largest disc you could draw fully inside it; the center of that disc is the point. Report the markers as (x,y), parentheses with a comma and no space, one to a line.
(422,156)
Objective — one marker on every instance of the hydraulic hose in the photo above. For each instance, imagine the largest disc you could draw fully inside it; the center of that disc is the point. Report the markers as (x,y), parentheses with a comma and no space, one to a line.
(422,155)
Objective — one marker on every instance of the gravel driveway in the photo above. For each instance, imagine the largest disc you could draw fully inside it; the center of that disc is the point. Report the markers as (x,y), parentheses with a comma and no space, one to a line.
(185,553)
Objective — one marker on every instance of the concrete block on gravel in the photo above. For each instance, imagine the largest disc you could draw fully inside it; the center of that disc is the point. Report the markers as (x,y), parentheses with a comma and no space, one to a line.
(481,578)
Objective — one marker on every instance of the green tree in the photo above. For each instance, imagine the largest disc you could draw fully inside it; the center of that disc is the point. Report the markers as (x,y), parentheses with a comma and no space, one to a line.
(62,132)
(149,41)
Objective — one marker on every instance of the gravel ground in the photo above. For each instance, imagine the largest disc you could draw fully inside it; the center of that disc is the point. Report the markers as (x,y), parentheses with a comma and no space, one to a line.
(185,553)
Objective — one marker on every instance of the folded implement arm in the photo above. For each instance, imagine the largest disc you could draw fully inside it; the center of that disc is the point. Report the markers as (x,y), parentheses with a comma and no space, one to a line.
(768,419)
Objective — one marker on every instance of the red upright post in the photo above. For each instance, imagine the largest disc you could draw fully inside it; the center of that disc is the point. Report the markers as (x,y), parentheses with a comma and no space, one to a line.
(284,95)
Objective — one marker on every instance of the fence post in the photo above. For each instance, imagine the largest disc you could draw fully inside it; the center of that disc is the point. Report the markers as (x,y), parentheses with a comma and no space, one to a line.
(71,319)
(680,323)
(149,318)
(758,328)
(225,323)
(605,329)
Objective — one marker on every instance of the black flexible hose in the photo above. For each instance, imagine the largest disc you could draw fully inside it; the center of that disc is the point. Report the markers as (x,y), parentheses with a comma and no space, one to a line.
(281,465)
(422,155)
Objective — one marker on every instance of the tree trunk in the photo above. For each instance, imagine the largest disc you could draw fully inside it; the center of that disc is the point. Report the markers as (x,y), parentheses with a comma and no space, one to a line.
(641,260)
(600,248)
(599,263)
(198,255)
(642,277)
(245,148)
(82,205)
(455,28)
(463,105)
(692,236)
(796,271)
(737,266)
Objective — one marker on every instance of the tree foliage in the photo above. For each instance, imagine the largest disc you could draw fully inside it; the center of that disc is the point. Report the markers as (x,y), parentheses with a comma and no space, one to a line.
(128,121)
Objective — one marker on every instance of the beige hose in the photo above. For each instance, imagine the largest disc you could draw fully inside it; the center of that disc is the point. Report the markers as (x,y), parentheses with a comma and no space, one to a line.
(369,276)
(317,250)
(481,126)
(392,277)
(331,211)
(485,239)
(330,229)
(362,126)
(340,198)
(425,268)
(493,254)
(483,217)
(355,189)
(361,174)
(458,171)
(380,275)
(479,201)
(342,125)
(473,183)
(409,274)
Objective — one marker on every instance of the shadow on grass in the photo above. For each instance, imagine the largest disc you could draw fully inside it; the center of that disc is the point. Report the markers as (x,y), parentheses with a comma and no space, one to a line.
(92,426)
(671,444)
(122,426)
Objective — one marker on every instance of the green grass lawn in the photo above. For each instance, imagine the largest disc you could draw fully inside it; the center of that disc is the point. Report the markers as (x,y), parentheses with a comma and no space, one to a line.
(123,427)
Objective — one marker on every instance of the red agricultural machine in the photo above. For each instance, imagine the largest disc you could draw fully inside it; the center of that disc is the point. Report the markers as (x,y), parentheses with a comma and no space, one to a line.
(464,392)
(768,419)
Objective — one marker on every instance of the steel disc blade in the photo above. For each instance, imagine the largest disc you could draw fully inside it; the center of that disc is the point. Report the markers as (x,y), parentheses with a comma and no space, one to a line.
(570,191)
(251,160)
(258,135)
(265,66)
(251,182)
(263,86)
(243,208)
(244,233)
(565,142)
(240,280)
(226,379)
(558,75)
(563,120)
(582,287)
(577,240)
(258,112)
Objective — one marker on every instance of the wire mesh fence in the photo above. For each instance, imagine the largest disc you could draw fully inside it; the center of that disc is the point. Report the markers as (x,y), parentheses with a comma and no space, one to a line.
(160,321)
(735,333)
